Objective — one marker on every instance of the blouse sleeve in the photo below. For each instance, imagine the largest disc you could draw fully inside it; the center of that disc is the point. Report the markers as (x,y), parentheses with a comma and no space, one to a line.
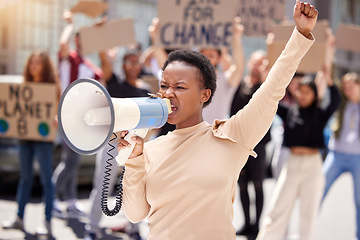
(335,100)
(249,125)
(135,205)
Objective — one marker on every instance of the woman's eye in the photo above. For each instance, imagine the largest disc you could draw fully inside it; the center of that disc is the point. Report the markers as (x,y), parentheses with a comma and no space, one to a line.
(163,86)
(180,88)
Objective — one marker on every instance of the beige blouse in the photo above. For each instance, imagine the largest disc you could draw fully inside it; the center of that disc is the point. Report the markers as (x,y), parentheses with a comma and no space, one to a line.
(185,182)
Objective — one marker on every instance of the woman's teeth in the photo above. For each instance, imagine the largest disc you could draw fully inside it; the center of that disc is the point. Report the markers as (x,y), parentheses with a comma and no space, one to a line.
(173,108)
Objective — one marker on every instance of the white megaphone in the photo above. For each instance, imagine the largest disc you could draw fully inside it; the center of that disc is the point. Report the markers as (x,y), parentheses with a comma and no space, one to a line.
(88,117)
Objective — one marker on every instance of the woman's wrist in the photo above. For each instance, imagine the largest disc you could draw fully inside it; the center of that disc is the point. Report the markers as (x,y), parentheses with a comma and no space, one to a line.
(305,32)
(136,156)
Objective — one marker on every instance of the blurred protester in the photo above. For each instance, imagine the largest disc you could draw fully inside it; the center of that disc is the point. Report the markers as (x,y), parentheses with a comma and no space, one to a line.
(154,57)
(301,176)
(131,86)
(344,144)
(281,153)
(228,78)
(38,69)
(72,66)
(254,169)
(290,94)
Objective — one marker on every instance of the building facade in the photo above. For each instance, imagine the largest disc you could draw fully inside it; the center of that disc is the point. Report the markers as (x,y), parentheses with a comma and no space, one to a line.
(37,24)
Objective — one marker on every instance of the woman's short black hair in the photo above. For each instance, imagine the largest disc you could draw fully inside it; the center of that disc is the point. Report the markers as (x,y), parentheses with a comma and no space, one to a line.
(199,61)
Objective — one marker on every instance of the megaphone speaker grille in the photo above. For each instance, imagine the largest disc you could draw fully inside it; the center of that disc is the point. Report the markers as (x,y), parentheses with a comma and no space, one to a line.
(79,97)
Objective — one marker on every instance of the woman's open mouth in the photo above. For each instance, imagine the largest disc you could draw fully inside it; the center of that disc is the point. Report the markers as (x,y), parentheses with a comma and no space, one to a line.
(173,109)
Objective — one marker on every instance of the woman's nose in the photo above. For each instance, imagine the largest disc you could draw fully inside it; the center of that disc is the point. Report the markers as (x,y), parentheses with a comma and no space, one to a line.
(169,92)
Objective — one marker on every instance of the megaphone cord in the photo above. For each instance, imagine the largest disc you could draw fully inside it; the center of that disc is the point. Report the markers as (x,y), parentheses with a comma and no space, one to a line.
(105,189)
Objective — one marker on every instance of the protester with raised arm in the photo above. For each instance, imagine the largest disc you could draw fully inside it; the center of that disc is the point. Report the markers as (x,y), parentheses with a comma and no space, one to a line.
(301,177)
(185,182)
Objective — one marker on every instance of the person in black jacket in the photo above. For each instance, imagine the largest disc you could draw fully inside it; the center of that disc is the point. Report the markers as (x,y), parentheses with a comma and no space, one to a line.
(254,169)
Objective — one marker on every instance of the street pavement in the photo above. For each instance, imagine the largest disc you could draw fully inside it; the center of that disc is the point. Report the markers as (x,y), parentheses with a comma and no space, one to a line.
(336,220)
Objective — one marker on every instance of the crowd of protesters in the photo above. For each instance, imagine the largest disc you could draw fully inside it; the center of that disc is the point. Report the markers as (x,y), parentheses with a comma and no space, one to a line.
(306,165)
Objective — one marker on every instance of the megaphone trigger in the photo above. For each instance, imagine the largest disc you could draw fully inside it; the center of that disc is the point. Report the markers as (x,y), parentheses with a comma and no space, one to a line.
(125,153)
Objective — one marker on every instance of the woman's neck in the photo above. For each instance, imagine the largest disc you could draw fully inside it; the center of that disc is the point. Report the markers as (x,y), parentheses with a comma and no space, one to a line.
(190,122)
(132,81)
(355,100)
(36,79)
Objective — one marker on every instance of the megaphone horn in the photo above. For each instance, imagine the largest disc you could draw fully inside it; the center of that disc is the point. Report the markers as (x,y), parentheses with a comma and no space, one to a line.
(88,116)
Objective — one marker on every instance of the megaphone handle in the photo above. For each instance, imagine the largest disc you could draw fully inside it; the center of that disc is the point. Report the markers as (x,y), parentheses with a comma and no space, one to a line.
(125,153)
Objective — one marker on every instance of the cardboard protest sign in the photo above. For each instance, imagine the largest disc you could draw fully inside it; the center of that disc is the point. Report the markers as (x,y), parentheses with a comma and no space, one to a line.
(258,16)
(90,8)
(111,34)
(152,81)
(313,60)
(27,111)
(195,23)
(348,37)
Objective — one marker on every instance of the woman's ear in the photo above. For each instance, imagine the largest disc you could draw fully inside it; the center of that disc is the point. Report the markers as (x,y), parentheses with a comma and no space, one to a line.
(205,95)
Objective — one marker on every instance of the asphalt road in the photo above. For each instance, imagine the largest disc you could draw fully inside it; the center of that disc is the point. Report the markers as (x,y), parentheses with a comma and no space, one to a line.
(336,220)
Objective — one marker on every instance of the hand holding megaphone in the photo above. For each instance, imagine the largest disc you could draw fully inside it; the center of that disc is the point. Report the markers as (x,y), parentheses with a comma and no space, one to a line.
(131,145)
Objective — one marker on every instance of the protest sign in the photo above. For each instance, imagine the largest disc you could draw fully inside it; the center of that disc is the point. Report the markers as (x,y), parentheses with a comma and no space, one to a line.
(195,23)
(348,37)
(152,81)
(90,8)
(111,34)
(313,60)
(27,111)
(258,16)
